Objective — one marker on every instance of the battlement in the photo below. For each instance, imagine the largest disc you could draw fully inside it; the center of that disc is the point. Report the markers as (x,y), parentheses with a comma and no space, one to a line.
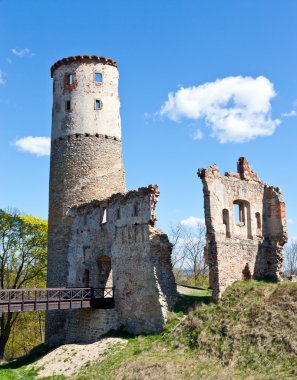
(81,59)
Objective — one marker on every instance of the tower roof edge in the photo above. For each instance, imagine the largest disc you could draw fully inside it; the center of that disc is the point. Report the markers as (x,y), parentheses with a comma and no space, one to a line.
(83,58)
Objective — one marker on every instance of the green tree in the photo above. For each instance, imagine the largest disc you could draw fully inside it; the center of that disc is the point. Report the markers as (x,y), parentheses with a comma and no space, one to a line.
(23,248)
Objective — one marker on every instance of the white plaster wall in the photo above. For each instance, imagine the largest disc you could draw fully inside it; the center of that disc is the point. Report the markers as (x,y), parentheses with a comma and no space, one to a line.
(83,118)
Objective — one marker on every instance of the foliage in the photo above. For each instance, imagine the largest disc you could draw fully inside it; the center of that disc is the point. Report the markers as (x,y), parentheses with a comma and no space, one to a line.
(188,261)
(23,244)
(290,262)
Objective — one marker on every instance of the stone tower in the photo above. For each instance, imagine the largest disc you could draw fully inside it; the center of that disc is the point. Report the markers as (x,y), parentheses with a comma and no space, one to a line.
(86,155)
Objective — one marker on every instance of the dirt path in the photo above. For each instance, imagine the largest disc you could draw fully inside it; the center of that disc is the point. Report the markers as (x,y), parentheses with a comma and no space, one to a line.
(70,358)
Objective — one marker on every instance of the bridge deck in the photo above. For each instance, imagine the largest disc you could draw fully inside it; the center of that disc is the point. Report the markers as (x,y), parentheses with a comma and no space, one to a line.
(16,300)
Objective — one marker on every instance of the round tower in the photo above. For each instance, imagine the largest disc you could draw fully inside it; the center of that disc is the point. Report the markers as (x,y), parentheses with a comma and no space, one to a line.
(86,152)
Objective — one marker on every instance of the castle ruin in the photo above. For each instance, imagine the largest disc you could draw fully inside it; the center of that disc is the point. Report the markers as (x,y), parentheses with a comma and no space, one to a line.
(100,235)
(246,226)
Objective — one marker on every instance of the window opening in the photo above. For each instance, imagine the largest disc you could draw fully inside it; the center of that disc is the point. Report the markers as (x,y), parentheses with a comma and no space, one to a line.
(226,222)
(98,104)
(118,213)
(239,213)
(135,209)
(98,77)
(70,78)
(68,105)
(104,215)
(259,225)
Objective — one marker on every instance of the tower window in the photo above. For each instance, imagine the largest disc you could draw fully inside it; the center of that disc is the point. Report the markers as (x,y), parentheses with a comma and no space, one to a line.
(98,77)
(68,105)
(118,213)
(70,78)
(98,104)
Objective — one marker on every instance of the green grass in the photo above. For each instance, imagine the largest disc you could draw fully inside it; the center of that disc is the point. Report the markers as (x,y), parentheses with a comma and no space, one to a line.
(249,334)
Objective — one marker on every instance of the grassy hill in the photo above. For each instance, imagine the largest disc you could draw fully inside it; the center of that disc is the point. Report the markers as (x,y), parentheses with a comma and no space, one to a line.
(251,333)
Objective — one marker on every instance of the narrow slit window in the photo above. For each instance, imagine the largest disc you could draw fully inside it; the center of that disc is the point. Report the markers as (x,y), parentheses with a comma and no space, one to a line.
(258,218)
(226,222)
(70,78)
(98,104)
(98,77)
(68,105)
(118,213)
(135,209)
(104,215)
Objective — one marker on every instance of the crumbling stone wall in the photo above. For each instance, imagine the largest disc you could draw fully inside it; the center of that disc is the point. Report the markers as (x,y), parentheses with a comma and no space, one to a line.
(120,229)
(246,226)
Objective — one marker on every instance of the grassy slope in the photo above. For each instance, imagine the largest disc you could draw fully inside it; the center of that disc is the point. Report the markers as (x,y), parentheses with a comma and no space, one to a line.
(249,334)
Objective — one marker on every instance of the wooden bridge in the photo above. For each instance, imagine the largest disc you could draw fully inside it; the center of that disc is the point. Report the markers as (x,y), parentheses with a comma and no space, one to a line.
(12,300)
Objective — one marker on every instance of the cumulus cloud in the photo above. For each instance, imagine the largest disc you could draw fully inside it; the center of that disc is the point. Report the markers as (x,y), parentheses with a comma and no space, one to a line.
(2,78)
(192,221)
(237,109)
(22,52)
(40,146)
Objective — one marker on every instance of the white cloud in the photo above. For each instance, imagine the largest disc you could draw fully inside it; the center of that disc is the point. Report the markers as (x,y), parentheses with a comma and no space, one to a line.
(237,109)
(2,77)
(289,114)
(198,135)
(290,221)
(22,52)
(192,221)
(40,146)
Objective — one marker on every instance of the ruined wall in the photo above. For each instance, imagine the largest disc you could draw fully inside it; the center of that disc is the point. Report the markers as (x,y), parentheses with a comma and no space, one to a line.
(246,226)
(120,230)
(86,157)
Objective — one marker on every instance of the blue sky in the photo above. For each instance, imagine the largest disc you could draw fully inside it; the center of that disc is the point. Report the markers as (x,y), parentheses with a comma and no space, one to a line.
(220,60)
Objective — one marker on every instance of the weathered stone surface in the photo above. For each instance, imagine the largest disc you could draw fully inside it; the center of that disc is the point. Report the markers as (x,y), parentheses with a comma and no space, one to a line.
(119,231)
(246,226)
(98,234)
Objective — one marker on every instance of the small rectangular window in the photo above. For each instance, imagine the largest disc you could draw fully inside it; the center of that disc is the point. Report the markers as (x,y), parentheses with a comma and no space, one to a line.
(98,104)
(68,105)
(118,213)
(70,79)
(98,77)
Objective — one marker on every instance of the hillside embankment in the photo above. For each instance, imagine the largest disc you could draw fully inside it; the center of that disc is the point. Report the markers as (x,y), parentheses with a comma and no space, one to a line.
(249,334)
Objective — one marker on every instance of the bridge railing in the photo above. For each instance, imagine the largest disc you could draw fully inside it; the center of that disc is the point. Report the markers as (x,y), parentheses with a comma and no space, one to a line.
(95,297)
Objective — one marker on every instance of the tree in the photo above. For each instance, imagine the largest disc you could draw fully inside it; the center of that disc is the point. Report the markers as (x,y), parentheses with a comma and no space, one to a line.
(290,263)
(188,252)
(23,247)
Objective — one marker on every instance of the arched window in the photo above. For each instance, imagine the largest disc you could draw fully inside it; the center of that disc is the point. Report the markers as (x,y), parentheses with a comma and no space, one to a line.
(226,221)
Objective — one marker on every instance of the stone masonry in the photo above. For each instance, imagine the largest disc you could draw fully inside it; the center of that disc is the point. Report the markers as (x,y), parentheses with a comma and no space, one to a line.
(114,243)
(246,226)
(86,165)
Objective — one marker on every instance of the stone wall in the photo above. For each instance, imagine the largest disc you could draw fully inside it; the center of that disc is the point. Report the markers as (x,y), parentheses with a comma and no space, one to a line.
(246,226)
(120,230)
